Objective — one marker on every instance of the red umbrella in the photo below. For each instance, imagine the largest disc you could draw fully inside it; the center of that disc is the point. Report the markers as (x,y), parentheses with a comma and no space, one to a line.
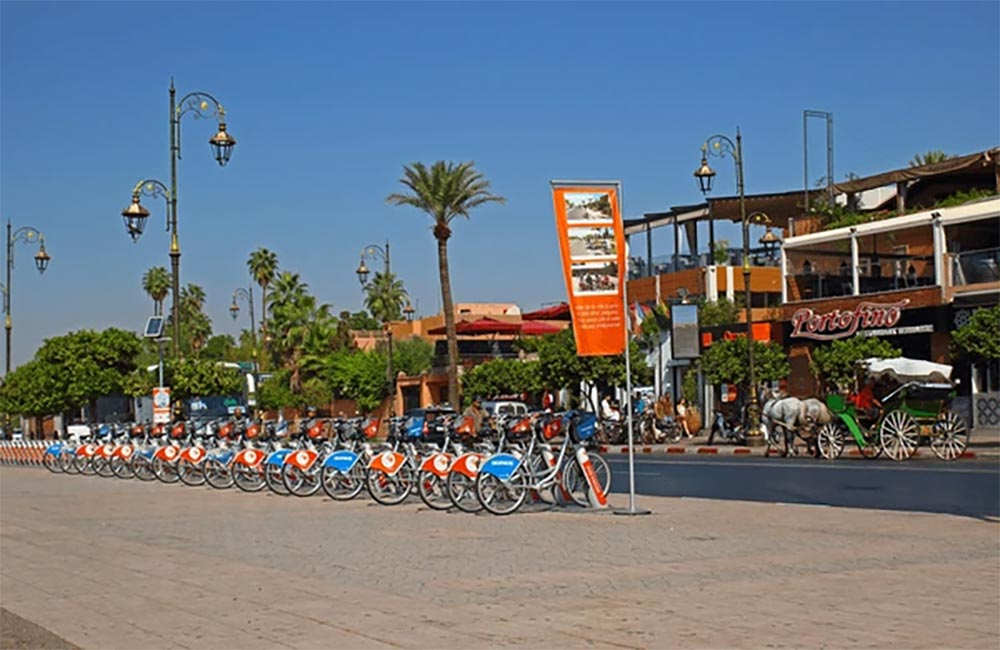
(555,312)
(460,328)
(538,328)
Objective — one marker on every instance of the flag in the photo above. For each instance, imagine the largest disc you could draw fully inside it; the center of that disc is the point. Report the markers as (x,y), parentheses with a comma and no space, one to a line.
(639,315)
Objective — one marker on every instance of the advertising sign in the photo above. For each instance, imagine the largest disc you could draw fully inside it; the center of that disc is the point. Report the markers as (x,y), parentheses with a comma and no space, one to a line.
(161,405)
(592,243)
(684,319)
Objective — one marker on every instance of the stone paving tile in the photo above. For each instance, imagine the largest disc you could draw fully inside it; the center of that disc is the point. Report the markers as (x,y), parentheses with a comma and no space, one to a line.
(108,564)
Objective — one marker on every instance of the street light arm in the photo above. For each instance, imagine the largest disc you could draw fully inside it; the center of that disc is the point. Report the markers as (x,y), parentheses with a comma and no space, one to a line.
(203,106)
(25,235)
(153,188)
(720,145)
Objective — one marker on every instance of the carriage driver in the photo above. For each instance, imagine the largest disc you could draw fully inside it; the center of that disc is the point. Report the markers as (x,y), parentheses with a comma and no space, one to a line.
(865,402)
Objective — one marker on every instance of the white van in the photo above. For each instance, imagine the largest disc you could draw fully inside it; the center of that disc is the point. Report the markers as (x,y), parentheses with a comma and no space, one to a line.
(505,408)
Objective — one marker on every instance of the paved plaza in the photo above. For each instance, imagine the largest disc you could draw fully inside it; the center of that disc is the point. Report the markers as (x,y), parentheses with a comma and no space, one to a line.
(120,564)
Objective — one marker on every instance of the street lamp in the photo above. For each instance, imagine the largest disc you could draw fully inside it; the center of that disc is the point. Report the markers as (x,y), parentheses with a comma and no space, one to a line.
(374,251)
(234,311)
(203,106)
(720,145)
(27,235)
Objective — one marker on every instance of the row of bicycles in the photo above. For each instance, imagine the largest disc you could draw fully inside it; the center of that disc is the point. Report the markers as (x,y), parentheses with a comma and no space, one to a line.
(442,457)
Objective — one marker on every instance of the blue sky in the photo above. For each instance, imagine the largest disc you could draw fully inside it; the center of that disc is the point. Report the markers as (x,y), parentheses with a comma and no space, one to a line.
(329,100)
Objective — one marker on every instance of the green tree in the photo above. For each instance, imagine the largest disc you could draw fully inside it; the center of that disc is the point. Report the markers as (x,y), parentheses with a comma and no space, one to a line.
(930,158)
(360,320)
(385,297)
(156,282)
(300,326)
(717,313)
(71,371)
(199,377)
(221,347)
(725,362)
(501,377)
(263,265)
(836,363)
(413,356)
(560,367)
(359,375)
(979,339)
(274,392)
(445,191)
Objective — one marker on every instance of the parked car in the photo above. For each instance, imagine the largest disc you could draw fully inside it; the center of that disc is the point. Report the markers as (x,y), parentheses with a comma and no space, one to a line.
(495,408)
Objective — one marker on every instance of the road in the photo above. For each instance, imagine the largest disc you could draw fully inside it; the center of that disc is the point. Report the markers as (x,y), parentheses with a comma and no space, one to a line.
(964,488)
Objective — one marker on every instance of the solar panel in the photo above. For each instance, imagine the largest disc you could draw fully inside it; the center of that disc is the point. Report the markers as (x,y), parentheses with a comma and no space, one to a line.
(154,327)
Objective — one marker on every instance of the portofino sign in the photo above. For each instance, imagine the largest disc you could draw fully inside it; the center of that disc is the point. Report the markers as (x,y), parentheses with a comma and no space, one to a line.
(841,323)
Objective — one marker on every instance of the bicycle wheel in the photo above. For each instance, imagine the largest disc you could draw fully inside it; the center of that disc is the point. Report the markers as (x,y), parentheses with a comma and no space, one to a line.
(391,490)
(433,490)
(102,466)
(192,474)
(142,467)
(217,474)
(165,471)
(462,492)
(66,459)
(502,497)
(576,484)
(83,465)
(51,462)
(301,482)
(343,486)
(121,468)
(248,479)
(274,479)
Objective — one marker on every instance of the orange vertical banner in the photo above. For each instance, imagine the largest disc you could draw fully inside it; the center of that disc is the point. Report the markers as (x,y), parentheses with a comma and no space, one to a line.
(592,243)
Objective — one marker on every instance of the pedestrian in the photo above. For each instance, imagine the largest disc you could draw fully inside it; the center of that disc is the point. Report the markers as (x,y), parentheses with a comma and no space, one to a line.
(682,412)
(477,413)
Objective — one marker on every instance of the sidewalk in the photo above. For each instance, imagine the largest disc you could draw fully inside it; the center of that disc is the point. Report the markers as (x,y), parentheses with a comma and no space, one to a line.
(983,443)
(198,568)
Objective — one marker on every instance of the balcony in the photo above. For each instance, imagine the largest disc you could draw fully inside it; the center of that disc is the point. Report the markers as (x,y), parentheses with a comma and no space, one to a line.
(971,272)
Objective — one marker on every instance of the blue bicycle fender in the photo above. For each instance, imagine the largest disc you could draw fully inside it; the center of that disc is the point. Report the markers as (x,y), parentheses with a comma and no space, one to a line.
(501,466)
(224,457)
(342,461)
(148,452)
(278,457)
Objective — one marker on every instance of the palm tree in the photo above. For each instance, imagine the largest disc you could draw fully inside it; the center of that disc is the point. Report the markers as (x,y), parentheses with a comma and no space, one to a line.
(195,325)
(263,264)
(930,158)
(385,297)
(445,191)
(301,326)
(156,282)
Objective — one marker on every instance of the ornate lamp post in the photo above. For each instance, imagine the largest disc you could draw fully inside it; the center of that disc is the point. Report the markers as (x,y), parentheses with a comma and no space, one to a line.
(203,106)
(720,145)
(234,310)
(27,235)
(374,251)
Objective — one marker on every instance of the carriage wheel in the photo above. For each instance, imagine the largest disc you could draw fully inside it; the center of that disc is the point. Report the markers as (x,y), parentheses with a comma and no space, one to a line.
(899,435)
(873,446)
(950,437)
(830,441)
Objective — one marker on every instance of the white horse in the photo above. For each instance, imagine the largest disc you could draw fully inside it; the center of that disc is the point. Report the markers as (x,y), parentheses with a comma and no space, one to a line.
(794,417)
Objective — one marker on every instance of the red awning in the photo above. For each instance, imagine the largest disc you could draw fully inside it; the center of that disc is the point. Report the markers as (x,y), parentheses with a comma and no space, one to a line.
(555,312)
(487,325)
(538,328)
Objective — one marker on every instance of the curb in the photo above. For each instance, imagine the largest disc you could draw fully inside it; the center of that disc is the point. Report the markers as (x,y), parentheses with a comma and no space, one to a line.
(762,451)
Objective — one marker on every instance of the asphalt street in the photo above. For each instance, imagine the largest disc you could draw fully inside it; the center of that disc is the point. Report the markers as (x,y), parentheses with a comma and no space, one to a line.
(969,489)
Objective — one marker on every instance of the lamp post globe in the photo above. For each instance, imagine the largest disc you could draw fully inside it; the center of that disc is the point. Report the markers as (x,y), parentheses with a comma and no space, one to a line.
(135,216)
(222,144)
(42,258)
(362,273)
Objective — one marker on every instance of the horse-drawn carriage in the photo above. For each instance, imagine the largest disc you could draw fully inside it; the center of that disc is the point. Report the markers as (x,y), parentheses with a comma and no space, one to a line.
(914,413)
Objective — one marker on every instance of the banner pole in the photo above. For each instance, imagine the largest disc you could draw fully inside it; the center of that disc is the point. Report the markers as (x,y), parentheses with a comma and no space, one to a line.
(628,381)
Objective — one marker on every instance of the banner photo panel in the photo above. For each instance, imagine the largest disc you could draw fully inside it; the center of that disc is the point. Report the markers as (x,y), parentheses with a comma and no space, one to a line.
(592,245)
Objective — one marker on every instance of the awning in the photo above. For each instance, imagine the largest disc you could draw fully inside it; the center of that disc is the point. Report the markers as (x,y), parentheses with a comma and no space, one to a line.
(976,162)
(555,312)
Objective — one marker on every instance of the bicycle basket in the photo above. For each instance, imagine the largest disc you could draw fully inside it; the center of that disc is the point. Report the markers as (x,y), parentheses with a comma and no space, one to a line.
(552,428)
(316,430)
(178,430)
(521,428)
(467,428)
(583,426)
(252,431)
(415,427)
(226,430)
(371,429)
